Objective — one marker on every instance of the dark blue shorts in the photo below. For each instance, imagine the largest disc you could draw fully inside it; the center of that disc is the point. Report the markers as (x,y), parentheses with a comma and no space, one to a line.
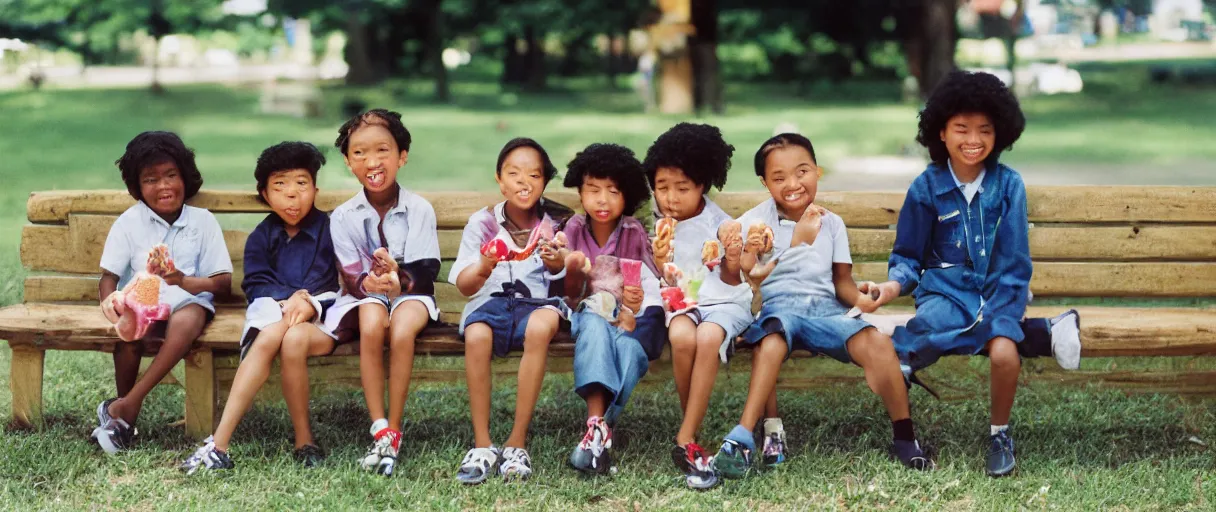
(508,320)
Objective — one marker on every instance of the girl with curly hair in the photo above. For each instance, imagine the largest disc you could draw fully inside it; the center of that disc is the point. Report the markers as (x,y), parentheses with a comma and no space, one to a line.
(962,249)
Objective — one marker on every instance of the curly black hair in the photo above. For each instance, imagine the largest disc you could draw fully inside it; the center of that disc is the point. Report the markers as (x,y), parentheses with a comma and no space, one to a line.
(550,171)
(287,156)
(613,162)
(780,141)
(155,147)
(697,149)
(963,92)
(377,116)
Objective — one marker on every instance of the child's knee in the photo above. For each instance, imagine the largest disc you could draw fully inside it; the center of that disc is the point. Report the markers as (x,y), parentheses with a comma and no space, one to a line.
(1003,353)
(295,344)
(478,340)
(773,344)
(372,320)
(682,335)
(710,336)
(542,324)
(871,345)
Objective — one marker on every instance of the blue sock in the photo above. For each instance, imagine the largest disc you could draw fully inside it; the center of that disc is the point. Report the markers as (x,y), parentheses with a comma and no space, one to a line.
(743,436)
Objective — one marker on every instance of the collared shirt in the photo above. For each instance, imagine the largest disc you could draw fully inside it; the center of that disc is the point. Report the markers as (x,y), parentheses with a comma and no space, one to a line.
(195,241)
(650,282)
(528,278)
(806,269)
(969,189)
(276,265)
(409,234)
(689,239)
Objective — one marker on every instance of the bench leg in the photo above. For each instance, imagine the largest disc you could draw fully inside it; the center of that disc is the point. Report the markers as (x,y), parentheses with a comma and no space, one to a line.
(25,382)
(200,394)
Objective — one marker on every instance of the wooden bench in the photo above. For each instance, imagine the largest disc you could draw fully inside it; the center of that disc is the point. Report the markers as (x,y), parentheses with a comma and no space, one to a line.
(1156,245)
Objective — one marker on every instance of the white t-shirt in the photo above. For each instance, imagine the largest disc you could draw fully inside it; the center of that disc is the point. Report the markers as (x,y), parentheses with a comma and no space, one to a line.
(529,274)
(806,269)
(195,240)
(690,237)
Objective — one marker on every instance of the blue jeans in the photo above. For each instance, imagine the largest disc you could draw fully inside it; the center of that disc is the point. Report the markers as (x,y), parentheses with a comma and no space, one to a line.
(607,358)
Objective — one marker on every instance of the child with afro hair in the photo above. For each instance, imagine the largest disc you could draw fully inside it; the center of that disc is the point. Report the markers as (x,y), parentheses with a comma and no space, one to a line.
(962,249)
(699,243)
(618,329)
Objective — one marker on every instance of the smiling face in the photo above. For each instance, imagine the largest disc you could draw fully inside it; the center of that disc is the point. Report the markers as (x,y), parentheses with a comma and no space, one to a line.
(602,200)
(162,188)
(373,157)
(969,139)
(676,194)
(290,194)
(522,178)
(792,178)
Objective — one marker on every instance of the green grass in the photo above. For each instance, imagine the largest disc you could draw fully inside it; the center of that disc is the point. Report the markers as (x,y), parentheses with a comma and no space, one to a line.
(1082,448)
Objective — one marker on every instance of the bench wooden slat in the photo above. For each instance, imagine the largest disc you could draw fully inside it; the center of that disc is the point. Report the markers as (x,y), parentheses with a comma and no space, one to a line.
(77,247)
(1106,331)
(1047,204)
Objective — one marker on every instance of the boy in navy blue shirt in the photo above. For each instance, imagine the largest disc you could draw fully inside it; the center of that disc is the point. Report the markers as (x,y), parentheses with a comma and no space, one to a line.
(290,281)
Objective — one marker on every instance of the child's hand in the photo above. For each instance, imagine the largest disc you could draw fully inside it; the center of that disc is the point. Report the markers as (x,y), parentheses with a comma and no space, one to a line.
(807,228)
(297,308)
(631,297)
(761,271)
(626,320)
(174,278)
(576,262)
(731,236)
(554,253)
(384,262)
(487,264)
(881,293)
(759,239)
(113,307)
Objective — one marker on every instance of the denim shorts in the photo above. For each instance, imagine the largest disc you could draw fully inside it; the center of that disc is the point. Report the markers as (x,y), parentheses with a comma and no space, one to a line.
(812,323)
(507,318)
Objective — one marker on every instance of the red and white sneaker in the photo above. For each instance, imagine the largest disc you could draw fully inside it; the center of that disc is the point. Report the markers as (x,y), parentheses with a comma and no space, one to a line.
(382,455)
(591,455)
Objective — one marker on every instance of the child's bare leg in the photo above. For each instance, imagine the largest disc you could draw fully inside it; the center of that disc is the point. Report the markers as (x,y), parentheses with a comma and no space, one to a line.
(597,402)
(875,354)
(478,348)
(184,327)
(542,326)
(704,372)
(683,336)
(766,364)
(250,376)
(770,405)
(407,321)
(300,342)
(372,318)
(127,357)
(1006,365)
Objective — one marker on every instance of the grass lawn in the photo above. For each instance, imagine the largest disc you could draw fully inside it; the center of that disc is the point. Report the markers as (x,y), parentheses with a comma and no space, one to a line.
(1081,447)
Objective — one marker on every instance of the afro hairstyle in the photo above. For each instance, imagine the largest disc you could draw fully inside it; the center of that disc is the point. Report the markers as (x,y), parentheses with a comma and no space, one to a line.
(286,156)
(781,141)
(151,148)
(612,162)
(549,170)
(963,92)
(697,149)
(376,117)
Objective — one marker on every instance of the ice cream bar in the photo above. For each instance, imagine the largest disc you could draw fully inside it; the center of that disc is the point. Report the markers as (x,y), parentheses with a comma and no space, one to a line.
(631,272)
(674,297)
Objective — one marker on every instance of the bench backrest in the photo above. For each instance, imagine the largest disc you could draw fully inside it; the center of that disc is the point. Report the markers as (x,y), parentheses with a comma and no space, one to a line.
(1109,241)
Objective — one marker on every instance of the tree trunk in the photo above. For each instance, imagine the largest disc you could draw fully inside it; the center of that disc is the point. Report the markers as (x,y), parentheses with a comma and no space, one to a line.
(704,51)
(156,88)
(534,61)
(360,65)
(940,38)
(434,43)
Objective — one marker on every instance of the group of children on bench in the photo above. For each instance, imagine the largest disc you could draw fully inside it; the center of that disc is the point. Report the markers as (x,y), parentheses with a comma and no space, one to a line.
(366,273)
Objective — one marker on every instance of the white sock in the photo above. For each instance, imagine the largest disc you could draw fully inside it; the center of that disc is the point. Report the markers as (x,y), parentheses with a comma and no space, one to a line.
(379,425)
(772,425)
(997,429)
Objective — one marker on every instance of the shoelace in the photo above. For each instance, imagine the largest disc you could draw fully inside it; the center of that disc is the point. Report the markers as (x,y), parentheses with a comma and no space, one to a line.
(589,437)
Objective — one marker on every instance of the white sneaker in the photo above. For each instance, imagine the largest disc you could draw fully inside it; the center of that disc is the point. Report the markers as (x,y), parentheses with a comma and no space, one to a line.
(381,457)
(1066,339)
(516,464)
(478,465)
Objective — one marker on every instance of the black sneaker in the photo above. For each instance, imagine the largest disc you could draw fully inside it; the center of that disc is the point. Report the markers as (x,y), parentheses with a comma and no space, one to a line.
(115,436)
(206,457)
(1000,454)
(309,455)
(679,457)
(910,454)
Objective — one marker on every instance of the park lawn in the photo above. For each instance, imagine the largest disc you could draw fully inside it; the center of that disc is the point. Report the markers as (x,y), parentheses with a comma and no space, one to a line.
(1082,448)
